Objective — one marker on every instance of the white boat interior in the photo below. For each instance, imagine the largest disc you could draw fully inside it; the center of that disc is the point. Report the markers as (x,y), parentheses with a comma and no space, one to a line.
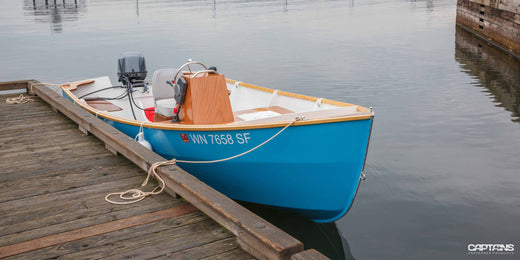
(248,103)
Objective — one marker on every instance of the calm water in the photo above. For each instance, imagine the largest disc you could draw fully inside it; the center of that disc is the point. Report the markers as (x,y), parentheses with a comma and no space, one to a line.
(443,167)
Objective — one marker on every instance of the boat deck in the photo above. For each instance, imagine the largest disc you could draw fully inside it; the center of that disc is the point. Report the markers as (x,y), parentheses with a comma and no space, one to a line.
(54,180)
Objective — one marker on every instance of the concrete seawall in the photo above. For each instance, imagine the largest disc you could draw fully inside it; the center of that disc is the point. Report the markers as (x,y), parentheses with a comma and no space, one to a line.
(497,21)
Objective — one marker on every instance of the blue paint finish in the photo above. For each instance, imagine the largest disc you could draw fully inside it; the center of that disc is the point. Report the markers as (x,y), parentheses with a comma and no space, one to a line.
(312,170)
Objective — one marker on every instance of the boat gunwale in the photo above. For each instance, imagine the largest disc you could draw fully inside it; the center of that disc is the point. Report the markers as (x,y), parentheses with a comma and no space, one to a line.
(230,127)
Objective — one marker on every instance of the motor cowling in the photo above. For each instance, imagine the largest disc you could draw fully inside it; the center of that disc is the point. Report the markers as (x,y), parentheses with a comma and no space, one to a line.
(132,67)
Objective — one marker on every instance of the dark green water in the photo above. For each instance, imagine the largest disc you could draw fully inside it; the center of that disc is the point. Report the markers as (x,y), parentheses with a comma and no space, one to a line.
(443,167)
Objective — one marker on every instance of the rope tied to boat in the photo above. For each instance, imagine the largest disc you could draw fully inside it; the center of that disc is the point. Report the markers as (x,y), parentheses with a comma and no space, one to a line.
(136,195)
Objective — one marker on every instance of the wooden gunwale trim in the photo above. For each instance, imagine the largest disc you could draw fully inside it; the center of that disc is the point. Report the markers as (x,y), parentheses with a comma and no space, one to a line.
(256,236)
(226,127)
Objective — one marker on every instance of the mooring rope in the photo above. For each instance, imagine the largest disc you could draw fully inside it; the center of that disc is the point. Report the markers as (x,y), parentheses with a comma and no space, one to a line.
(136,195)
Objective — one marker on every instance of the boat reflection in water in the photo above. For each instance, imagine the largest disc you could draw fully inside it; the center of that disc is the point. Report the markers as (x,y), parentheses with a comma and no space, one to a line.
(494,69)
(323,237)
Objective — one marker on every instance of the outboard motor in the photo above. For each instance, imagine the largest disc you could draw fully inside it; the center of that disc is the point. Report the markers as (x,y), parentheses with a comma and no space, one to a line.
(131,68)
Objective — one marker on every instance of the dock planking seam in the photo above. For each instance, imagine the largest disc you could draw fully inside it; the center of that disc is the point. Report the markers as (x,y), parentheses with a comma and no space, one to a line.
(13,175)
(28,150)
(153,245)
(202,248)
(89,243)
(44,140)
(181,237)
(62,219)
(75,176)
(99,229)
(230,254)
(27,208)
(72,193)
(53,160)
(81,222)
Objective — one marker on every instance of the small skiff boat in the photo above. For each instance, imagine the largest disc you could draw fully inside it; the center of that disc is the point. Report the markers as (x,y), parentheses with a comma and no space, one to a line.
(253,144)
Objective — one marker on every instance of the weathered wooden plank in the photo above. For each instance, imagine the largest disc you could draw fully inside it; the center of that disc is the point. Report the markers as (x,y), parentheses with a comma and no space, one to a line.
(75,177)
(84,218)
(56,239)
(79,210)
(189,246)
(254,234)
(115,236)
(34,168)
(32,203)
(310,254)
(55,132)
(231,254)
(35,114)
(206,250)
(178,239)
(12,85)
(24,132)
(44,165)
(22,151)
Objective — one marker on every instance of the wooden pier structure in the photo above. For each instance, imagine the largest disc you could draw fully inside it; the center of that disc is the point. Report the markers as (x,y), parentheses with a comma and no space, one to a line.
(497,22)
(54,179)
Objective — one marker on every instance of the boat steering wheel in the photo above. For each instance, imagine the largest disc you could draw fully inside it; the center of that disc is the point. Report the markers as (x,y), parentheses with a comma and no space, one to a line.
(187,64)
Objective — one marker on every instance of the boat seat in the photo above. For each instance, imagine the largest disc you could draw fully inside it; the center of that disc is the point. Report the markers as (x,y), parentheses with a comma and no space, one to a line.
(164,102)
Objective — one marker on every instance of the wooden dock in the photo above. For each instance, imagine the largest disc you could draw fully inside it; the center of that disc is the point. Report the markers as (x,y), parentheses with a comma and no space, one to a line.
(54,179)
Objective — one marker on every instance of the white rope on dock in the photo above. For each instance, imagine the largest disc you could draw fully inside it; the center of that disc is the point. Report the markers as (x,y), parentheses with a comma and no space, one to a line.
(21,99)
(136,195)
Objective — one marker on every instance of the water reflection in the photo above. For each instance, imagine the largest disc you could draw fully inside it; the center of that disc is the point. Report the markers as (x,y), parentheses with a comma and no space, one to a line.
(323,237)
(54,12)
(495,70)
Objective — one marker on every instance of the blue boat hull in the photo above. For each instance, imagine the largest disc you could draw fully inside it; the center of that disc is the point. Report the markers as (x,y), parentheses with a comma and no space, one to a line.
(313,170)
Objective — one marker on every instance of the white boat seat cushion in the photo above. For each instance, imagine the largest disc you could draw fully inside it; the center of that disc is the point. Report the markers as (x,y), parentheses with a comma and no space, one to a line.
(165,106)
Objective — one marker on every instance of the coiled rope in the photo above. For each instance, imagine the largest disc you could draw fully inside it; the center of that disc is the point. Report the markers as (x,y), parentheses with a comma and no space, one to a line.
(136,195)
(21,99)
